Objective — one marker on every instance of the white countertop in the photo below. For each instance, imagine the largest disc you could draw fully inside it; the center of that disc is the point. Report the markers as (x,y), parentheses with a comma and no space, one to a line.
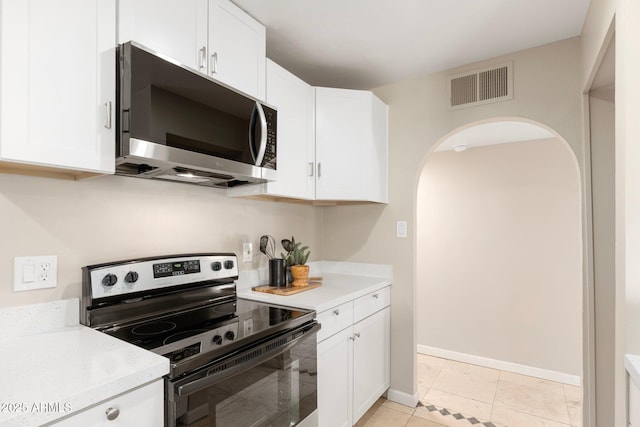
(632,365)
(49,372)
(341,282)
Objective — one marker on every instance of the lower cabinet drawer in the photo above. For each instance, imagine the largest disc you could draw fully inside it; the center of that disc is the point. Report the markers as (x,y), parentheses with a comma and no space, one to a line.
(368,304)
(335,320)
(142,407)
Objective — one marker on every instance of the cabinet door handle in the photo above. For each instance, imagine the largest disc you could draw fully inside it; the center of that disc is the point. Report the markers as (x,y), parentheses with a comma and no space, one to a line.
(214,63)
(336,311)
(310,168)
(352,337)
(112,413)
(107,121)
(376,296)
(319,169)
(203,58)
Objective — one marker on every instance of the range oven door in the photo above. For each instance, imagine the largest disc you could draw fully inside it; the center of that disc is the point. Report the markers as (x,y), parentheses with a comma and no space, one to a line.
(271,383)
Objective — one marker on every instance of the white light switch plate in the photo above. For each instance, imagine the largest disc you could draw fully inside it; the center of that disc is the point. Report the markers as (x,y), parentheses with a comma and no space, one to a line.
(247,252)
(35,272)
(401,229)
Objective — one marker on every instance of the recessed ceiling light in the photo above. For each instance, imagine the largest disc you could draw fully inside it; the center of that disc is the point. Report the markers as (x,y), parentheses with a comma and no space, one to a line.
(459,148)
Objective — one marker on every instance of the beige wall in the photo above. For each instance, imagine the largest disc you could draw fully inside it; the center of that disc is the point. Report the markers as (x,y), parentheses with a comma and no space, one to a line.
(500,254)
(112,218)
(602,131)
(603,18)
(546,90)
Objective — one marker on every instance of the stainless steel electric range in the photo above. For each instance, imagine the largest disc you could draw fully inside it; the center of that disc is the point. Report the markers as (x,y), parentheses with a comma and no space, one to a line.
(233,362)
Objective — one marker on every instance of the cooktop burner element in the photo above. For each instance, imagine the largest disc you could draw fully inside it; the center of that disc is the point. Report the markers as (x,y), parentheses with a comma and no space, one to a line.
(153,328)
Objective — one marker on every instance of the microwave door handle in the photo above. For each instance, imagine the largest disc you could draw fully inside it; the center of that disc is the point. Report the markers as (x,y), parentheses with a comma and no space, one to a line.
(263,135)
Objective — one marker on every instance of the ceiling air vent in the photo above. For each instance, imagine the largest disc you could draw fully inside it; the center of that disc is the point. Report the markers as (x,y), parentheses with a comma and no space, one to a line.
(481,86)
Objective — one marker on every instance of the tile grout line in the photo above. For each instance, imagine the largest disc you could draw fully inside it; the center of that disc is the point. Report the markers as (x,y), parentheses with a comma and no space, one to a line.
(493,402)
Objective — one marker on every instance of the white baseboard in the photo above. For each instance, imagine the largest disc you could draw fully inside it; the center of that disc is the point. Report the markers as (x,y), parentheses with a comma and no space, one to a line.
(403,398)
(516,368)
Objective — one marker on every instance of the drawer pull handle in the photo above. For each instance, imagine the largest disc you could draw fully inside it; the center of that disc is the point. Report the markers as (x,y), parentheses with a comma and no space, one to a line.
(112,413)
(375,296)
(336,311)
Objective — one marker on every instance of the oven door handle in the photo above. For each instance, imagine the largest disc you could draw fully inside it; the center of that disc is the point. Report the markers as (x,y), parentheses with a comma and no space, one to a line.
(267,352)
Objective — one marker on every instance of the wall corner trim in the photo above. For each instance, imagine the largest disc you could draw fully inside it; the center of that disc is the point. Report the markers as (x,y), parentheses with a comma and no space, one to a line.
(516,368)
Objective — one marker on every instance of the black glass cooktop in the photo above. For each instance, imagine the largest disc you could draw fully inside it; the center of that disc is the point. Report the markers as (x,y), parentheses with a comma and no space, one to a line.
(209,328)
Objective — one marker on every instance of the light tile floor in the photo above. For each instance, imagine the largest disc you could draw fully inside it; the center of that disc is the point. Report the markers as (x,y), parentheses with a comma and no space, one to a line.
(455,394)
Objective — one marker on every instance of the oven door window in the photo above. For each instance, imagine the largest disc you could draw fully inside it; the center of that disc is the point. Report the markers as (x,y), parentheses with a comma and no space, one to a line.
(281,391)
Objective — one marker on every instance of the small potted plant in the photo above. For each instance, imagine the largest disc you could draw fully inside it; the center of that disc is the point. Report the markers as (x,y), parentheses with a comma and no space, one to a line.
(296,258)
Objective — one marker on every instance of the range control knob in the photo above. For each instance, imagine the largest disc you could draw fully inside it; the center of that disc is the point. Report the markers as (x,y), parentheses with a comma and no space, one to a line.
(109,280)
(230,335)
(228,264)
(216,266)
(131,277)
(217,339)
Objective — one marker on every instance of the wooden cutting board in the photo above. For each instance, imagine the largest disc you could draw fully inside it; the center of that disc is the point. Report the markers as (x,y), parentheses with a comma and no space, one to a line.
(289,290)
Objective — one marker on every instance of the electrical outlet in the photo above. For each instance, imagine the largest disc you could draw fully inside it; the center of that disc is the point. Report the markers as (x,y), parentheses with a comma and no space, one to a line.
(247,327)
(247,252)
(35,272)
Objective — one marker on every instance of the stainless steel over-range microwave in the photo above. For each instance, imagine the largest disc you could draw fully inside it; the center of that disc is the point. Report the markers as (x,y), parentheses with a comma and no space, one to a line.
(176,124)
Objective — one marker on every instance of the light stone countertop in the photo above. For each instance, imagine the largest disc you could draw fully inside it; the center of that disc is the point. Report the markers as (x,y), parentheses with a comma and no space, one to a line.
(342,282)
(632,365)
(52,366)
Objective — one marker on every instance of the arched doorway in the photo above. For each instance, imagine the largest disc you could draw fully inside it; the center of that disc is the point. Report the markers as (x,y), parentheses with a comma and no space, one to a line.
(499,266)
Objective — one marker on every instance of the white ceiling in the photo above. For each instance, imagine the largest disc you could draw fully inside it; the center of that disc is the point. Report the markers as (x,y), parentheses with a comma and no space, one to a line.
(362,44)
(501,132)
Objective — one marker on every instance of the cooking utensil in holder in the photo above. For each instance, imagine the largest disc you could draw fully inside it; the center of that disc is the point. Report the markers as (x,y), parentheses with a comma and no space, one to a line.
(277,272)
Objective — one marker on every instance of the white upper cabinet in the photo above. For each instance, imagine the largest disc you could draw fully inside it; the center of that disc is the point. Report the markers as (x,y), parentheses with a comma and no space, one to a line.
(351,146)
(237,48)
(294,100)
(214,37)
(176,28)
(332,143)
(57,84)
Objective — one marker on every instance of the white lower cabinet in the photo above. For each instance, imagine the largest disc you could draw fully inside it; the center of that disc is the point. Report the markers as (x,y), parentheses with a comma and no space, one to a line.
(370,361)
(353,358)
(634,404)
(335,387)
(142,407)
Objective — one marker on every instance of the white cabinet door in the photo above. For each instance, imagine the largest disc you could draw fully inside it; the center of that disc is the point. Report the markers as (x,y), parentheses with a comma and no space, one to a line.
(294,100)
(335,365)
(340,143)
(370,361)
(634,404)
(175,28)
(351,146)
(143,407)
(57,80)
(378,172)
(237,48)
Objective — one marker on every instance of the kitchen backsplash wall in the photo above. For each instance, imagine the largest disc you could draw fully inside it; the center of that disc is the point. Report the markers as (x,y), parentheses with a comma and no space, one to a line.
(110,218)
